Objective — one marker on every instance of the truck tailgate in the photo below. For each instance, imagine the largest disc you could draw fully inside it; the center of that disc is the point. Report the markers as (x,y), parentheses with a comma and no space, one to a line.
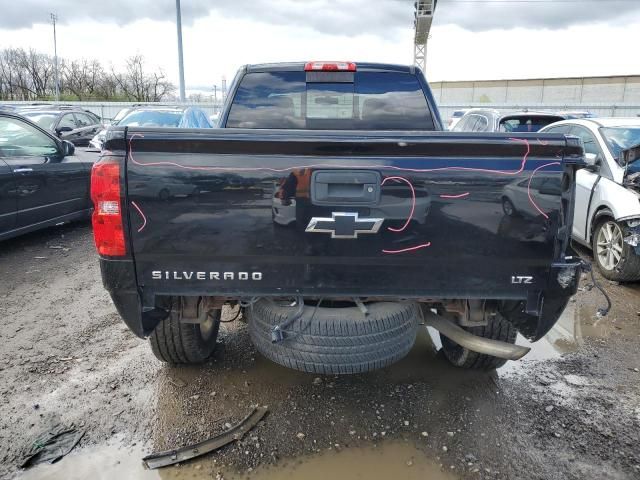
(401,214)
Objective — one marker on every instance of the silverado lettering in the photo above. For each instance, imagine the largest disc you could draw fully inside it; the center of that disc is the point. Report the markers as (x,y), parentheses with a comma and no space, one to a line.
(173,275)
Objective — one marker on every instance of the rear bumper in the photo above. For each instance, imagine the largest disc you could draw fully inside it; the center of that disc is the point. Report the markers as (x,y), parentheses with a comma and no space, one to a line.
(139,309)
(119,279)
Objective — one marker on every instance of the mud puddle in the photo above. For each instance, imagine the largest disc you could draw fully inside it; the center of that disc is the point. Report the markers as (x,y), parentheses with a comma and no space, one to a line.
(578,322)
(99,463)
(398,460)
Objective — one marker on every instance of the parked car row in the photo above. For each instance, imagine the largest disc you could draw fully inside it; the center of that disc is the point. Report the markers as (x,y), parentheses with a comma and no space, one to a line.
(42,182)
(65,121)
(85,128)
(155,116)
(492,120)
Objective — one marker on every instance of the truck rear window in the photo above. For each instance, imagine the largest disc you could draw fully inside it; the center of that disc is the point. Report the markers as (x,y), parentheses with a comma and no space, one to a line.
(353,101)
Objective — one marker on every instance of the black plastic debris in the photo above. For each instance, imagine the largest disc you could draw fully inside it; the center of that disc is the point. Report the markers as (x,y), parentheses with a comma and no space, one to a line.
(171,457)
(52,445)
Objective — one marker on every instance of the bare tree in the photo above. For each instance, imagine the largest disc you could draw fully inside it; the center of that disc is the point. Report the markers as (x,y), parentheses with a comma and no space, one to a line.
(137,85)
(161,87)
(6,76)
(28,75)
(83,78)
(16,75)
(39,68)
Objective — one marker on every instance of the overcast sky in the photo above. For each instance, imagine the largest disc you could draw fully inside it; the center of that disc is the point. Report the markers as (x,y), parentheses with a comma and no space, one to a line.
(470,39)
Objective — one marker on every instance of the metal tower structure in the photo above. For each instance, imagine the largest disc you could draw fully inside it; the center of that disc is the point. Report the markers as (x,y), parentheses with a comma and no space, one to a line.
(423,16)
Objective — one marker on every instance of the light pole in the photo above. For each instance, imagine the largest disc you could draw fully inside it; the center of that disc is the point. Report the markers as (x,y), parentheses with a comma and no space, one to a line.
(54,19)
(180,60)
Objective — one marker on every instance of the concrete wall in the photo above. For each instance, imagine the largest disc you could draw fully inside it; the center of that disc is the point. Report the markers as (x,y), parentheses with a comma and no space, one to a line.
(543,90)
(605,96)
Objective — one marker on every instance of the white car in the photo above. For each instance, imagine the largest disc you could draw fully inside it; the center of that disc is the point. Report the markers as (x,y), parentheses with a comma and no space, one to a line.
(455,118)
(97,141)
(607,206)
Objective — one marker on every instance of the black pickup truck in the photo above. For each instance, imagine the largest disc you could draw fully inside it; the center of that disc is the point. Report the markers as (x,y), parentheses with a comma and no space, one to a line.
(336,215)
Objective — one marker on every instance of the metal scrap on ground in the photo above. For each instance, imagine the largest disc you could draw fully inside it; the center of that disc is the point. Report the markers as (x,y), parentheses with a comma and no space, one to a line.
(171,457)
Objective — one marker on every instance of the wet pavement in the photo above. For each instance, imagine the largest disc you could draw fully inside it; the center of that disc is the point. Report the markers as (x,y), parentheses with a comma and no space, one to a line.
(570,409)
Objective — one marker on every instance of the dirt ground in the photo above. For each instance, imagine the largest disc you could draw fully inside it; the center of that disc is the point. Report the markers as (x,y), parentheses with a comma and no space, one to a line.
(570,410)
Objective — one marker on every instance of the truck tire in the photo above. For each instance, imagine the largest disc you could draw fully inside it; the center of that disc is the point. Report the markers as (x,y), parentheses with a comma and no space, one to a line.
(497,328)
(608,243)
(335,340)
(177,342)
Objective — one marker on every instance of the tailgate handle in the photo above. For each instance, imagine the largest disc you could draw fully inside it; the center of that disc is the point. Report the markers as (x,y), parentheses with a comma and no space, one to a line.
(345,187)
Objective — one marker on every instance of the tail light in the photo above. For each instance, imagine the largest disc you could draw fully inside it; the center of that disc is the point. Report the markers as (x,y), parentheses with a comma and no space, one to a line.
(330,67)
(107,209)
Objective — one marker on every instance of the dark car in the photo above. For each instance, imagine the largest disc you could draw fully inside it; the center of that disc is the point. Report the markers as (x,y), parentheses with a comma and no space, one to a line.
(155,116)
(75,125)
(42,182)
(491,120)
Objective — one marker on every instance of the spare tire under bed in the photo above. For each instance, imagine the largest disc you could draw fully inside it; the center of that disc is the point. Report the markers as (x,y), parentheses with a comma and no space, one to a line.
(340,340)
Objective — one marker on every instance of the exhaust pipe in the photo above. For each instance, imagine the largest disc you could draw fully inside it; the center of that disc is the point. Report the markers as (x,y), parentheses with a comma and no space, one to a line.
(472,342)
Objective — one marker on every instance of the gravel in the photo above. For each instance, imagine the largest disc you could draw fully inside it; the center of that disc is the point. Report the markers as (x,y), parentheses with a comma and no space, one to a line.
(65,355)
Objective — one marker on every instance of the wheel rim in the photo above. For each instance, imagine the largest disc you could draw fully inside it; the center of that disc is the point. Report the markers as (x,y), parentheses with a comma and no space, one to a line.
(507,207)
(609,245)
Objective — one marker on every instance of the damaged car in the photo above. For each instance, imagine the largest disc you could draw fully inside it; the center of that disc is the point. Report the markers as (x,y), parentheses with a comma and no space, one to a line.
(607,209)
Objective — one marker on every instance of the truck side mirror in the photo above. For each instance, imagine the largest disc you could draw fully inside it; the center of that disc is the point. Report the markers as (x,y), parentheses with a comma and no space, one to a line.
(592,160)
(68,148)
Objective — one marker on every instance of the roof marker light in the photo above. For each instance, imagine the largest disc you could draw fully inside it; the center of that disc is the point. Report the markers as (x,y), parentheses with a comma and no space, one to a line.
(330,67)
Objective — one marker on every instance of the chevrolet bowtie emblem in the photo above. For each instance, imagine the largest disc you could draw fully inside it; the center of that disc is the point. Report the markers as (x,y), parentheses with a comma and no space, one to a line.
(344,225)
